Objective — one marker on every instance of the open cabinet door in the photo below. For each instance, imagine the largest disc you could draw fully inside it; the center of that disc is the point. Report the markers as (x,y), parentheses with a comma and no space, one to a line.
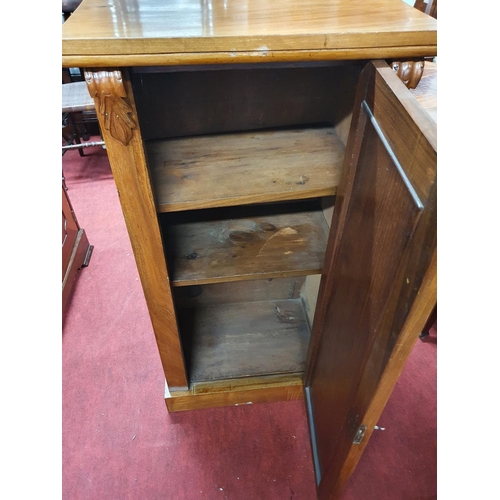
(379,281)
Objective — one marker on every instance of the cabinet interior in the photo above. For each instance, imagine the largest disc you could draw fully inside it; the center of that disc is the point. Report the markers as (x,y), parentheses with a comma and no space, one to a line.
(244,164)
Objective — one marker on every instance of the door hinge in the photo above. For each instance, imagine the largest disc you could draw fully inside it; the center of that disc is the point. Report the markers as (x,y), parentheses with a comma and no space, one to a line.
(360,434)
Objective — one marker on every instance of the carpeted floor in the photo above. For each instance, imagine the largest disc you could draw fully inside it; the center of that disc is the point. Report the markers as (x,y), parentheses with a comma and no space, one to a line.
(119,442)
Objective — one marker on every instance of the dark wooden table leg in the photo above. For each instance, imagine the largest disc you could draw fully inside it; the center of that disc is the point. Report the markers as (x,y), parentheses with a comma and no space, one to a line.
(429,324)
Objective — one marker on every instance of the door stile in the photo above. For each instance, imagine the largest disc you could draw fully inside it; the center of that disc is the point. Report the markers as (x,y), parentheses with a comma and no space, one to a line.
(342,200)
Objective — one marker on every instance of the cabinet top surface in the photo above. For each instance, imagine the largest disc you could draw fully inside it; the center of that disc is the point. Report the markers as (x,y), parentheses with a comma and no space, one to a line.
(148,32)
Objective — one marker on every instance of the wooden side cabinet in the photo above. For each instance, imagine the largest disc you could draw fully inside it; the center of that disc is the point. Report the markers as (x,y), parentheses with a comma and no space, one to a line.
(256,292)
(76,250)
(278,184)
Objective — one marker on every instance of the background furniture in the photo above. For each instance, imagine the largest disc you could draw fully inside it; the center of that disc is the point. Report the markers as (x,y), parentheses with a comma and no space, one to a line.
(81,122)
(76,250)
(429,7)
(228,136)
(76,102)
(68,7)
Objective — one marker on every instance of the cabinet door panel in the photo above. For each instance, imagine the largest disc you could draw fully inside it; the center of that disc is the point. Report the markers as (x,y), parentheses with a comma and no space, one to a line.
(378,283)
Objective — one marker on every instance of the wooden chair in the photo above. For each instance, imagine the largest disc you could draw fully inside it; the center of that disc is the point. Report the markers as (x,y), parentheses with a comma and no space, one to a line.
(76,99)
(429,7)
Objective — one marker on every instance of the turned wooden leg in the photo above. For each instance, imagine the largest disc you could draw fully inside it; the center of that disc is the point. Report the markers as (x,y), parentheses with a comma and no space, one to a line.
(410,72)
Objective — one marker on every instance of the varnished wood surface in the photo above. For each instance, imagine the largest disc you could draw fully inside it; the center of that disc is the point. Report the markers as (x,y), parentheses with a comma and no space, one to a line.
(251,339)
(250,167)
(395,365)
(426,92)
(128,164)
(116,32)
(246,243)
(369,285)
(235,392)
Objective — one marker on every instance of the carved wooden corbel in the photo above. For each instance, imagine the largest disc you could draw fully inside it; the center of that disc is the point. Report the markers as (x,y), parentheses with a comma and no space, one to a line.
(410,72)
(106,87)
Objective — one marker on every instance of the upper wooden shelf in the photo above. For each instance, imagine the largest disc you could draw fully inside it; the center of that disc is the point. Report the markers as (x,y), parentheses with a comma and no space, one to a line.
(162,32)
(243,168)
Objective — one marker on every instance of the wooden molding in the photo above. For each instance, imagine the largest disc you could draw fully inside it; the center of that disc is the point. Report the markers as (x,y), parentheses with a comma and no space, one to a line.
(236,392)
(106,87)
(410,72)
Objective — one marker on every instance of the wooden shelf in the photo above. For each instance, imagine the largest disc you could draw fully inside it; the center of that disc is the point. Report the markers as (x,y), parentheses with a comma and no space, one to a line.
(245,243)
(242,168)
(247,339)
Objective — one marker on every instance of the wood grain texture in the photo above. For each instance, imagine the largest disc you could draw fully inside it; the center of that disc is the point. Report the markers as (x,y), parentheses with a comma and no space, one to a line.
(245,244)
(215,99)
(128,164)
(426,92)
(237,392)
(370,285)
(238,291)
(153,27)
(250,167)
(417,316)
(251,339)
(368,268)
(253,57)
(404,117)
(110,96)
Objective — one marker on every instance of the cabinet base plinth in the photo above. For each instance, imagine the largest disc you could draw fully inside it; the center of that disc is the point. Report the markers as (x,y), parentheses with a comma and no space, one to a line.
(237,392)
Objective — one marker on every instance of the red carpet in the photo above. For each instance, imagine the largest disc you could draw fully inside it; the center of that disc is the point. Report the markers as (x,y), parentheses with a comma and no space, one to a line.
(119,442)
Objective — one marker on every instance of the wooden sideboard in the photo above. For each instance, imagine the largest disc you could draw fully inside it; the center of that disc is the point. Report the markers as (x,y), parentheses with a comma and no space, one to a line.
(278,182)
(76,250)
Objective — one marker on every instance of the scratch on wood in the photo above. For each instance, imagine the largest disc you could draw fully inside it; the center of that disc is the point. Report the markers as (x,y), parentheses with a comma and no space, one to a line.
(285,317)
(286,231)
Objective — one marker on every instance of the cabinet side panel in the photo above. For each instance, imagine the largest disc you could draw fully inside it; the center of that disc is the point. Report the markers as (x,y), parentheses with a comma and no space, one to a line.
(117,116)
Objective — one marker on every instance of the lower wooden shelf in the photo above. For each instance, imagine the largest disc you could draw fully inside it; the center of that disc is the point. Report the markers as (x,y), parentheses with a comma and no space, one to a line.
(248,339)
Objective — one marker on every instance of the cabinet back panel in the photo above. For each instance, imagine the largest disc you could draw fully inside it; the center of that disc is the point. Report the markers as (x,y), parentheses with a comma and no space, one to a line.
(186,103)
(239,291)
